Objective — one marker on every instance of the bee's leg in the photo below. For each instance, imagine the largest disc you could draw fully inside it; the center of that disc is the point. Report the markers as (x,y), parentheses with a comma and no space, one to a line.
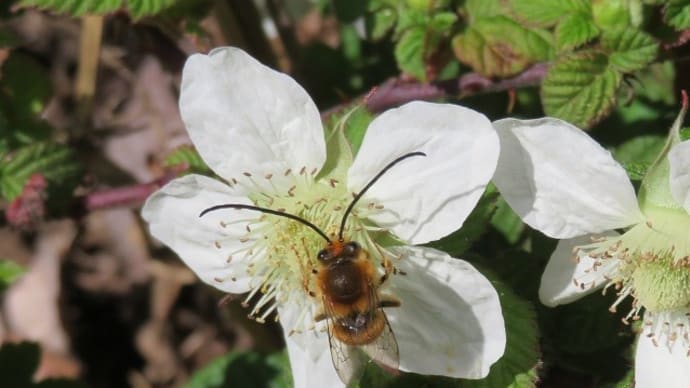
(388,301)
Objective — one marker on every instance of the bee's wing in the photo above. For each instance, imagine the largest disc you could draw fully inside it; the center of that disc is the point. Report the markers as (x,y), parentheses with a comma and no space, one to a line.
(349,361)
(384,349)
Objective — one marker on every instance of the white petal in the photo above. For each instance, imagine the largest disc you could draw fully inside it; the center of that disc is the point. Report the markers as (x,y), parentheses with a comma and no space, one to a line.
(450,321)
(661,366)
(561,181)
(425,198)
(679,174)
(201,242)
(569,276)
(310,356)
(245,117)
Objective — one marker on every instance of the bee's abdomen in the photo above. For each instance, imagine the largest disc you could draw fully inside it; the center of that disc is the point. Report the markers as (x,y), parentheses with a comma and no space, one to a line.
(359,328)
(344,283)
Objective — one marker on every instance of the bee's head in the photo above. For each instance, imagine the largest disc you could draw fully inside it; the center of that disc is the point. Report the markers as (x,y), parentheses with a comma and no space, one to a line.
(339,250)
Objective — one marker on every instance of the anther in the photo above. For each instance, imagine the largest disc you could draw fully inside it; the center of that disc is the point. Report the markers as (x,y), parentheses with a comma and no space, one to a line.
(217,244)
(314,171)
(268,176)
(288,172)
(333,182)
(302,170)
(247,174)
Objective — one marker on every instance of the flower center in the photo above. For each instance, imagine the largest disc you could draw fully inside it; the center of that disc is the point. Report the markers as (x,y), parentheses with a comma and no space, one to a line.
(283,262)
(654,265)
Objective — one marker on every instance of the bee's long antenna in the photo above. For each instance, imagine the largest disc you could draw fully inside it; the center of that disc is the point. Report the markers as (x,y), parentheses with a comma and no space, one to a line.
(269,211)
(371,183)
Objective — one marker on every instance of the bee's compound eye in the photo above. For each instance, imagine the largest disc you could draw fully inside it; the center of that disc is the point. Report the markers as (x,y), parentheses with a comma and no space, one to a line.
(351,248)
(323,255)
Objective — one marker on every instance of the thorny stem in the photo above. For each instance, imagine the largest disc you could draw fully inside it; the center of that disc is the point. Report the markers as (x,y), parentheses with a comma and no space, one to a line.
(391,93)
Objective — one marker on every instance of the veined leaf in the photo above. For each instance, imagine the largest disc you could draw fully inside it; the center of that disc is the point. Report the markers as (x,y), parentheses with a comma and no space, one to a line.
(545,13)
(479,9)
(500,47)
(612,14)
(137,8)
(580,89)
(410,52)
(575,30)
(55,162)
(630,49)
(677,14)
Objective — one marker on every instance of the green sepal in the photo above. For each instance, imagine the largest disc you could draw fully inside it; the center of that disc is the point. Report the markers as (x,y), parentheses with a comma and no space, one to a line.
(655,189)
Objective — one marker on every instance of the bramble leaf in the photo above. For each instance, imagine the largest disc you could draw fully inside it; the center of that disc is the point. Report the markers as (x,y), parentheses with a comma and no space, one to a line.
(630,49)
(137,8)
(500,47)
(409,52)
(677,14)
(545,13)
(580,88)
(575,30)
(55,162)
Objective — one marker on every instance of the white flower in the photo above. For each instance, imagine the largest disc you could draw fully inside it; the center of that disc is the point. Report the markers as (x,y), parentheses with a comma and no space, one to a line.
(259,131)
(564,184)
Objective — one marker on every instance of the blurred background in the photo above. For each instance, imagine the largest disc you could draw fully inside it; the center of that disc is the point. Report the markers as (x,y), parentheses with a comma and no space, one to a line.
(89,127)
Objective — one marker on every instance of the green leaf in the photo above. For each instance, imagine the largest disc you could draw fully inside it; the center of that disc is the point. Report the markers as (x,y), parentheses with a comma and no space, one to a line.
(55,162)
(380,22)
(244,370)
(520,363)
(188,156)
(458,242)
(580,88)
(141,8)
(499,47)
(677,14)
(630,49)
(614,14)
(75,7)
(442,21)
(9,272)
(545,13)
(479,9)
(410,52)
(575,30)
(137,8)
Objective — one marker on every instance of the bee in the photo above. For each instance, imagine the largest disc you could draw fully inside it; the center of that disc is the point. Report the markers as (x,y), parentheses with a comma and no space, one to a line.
(348,285)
